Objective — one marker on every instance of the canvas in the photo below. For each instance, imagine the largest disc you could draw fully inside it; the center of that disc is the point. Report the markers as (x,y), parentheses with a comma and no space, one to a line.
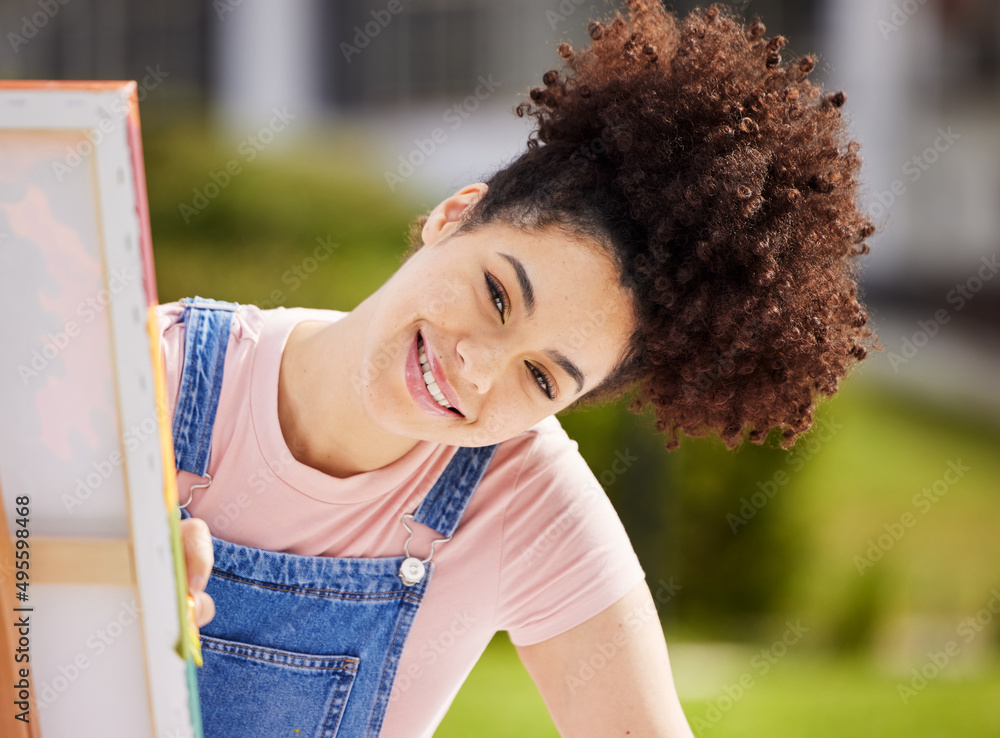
(95,639)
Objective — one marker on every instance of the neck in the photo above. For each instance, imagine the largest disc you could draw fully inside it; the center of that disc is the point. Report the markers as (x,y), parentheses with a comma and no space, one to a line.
(320,411)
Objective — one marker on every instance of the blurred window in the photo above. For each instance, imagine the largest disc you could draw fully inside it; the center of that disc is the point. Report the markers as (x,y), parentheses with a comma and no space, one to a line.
(433,48)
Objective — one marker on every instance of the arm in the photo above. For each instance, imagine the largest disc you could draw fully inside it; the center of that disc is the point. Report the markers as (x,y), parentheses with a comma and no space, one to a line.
(610,675)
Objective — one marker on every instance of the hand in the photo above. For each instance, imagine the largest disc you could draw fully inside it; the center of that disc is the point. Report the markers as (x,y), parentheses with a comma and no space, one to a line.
(198,557)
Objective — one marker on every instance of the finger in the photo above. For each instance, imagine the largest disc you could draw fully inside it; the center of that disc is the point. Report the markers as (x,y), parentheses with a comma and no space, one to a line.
(198,553)
(204,608)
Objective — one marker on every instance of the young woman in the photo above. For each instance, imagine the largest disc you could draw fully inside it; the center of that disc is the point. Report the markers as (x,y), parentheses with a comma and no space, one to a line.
(380,491)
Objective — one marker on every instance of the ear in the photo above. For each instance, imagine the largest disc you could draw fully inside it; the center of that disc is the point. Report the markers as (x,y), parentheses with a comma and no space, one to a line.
(443,219)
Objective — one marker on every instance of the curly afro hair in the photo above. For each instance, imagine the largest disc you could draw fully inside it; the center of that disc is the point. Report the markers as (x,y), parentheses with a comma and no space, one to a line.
(724,185)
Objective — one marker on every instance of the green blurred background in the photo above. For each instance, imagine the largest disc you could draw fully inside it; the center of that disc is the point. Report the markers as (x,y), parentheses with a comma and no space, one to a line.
(753,538)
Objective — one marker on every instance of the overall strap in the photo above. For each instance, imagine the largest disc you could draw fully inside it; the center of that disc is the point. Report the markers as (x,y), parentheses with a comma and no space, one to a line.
(206,337)
(443,506)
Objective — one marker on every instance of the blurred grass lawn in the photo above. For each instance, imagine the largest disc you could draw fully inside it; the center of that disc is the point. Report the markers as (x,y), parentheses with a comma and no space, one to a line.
(819,698)
(253,242)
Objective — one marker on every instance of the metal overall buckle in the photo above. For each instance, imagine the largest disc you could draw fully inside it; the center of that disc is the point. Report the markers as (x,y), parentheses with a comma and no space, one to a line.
(413,569)
(191,492)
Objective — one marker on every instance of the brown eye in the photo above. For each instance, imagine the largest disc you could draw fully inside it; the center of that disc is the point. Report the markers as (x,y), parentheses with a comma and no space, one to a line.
(541,379)
(498,296)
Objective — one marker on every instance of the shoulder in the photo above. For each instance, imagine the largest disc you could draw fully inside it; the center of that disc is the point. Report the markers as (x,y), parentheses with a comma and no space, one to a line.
(548,485)
(249,321)
(545,438)
(565,553)
(543,454)
(250,328)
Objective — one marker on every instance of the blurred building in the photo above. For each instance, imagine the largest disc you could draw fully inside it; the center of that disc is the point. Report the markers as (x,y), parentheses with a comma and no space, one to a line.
(923,82)
(922,79)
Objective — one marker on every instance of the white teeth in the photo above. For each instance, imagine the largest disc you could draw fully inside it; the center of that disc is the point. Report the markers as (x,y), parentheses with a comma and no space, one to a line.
(432,385)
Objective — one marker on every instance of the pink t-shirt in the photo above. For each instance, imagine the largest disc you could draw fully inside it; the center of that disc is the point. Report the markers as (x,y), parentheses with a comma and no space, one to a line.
(538,551)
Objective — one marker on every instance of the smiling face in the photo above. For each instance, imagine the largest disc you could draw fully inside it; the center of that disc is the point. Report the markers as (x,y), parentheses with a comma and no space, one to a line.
(514,326)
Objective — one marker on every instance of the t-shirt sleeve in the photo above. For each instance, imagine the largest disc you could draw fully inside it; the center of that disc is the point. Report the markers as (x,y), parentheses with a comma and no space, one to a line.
(566,555)
(171,330)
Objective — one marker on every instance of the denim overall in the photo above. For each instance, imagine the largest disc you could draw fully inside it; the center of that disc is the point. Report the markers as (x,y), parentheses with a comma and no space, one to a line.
(303,646)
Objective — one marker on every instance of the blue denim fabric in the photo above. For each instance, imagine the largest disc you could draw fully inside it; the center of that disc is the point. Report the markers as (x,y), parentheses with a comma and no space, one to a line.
(300,645)
(206,335)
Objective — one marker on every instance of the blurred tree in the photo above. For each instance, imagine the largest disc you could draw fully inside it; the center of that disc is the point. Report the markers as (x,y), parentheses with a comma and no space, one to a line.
(730,543)
(709,520)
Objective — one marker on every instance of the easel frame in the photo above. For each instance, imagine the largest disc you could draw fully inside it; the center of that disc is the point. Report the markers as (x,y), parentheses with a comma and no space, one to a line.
(139,551)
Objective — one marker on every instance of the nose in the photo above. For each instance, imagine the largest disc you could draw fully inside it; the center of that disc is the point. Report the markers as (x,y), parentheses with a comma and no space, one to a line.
(478,362)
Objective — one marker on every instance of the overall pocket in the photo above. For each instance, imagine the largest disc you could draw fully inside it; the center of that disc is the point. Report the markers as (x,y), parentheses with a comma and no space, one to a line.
(247,690)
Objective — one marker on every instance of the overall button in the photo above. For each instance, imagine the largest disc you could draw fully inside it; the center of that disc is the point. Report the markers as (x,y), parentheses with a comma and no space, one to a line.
(412,571)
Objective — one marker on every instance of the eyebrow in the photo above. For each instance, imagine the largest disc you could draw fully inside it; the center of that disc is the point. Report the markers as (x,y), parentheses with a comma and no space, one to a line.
(527,291)
(528,297)
(568,366)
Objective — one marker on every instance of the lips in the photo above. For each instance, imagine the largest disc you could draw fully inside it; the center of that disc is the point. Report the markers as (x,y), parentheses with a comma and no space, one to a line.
(414,379)
(439,376)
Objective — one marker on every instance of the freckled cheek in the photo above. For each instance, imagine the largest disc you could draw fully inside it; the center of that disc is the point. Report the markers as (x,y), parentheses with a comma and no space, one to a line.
(442,297)
(504,417)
